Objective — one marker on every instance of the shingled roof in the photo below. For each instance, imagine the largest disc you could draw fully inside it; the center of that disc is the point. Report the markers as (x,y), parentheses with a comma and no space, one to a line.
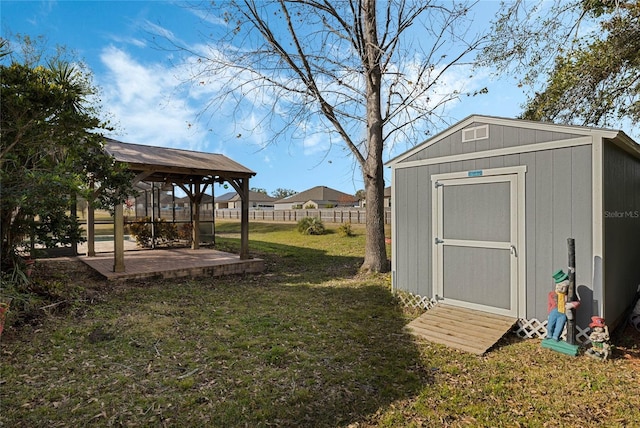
(253,197)
(319,193)
(177,165)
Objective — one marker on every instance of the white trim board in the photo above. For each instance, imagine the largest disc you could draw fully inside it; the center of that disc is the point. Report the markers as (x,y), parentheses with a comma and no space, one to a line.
(560,144)
(489,172)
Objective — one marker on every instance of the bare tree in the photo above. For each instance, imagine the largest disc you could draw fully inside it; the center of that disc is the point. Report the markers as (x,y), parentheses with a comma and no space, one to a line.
(368,74)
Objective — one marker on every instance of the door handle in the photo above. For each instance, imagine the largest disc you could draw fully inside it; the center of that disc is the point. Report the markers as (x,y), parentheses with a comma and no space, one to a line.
(512,249)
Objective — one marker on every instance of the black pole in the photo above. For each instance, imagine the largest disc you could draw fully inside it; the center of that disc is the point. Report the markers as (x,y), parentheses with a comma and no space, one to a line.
(571,293)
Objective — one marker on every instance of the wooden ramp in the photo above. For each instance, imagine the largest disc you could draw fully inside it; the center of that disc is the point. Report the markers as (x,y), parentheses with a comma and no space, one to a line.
(464,329)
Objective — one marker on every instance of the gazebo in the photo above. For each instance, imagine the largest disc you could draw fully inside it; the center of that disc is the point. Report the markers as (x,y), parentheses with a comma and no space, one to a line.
(191,171)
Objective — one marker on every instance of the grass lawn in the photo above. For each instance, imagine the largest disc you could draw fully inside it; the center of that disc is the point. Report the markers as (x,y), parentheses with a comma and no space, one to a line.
(309,342)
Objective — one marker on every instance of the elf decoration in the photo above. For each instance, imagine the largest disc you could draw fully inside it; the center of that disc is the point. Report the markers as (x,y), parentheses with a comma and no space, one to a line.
(600,348)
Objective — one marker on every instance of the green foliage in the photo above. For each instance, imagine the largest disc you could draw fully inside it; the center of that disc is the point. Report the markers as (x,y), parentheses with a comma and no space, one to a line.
(48,228)
(185,232)
(585,54)
(283,193)
(34,292)
(165,231)
(50,153)
(345,230)
(311,226)
(258,190)
(597,82)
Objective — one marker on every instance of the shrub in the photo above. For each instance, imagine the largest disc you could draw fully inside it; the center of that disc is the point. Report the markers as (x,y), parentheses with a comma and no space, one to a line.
(27,297)
(345,230)
(166,231)
(311,226)
(185,233)
(141,230)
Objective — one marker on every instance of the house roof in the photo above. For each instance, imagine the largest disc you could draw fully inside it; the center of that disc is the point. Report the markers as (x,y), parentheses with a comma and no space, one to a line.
(225,197)
(618,136)
(319,193)
(253,196)
(174,165)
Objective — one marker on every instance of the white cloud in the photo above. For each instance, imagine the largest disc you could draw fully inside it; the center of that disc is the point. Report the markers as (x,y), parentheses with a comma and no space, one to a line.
(146,102)
(316,143)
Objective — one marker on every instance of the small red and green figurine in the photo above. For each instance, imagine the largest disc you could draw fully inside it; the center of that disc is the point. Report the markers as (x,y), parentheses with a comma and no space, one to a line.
(599,337)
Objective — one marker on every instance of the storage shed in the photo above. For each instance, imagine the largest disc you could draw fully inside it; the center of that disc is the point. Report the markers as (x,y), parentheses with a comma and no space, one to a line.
(481,214)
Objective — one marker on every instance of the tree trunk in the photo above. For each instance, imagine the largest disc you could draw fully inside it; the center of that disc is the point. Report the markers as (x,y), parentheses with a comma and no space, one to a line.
(375,257)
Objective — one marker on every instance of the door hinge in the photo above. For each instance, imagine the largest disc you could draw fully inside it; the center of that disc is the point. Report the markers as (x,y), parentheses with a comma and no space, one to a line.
(438,184)
(439,241)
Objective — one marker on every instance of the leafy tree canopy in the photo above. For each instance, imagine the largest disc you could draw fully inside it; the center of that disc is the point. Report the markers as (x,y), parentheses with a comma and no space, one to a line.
(597,82)
(259,190)
(50,152)
(283,193)
(583,56)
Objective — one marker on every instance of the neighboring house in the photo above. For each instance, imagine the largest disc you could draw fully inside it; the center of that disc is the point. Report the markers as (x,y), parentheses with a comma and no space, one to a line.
(257,200)
(386,202)
(318,197)
(222,201)
(149,195)
(206,204)
(482,212)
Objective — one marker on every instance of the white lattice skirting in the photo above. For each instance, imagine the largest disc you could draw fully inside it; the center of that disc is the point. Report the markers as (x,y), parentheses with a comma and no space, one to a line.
(525,328)
(415,301)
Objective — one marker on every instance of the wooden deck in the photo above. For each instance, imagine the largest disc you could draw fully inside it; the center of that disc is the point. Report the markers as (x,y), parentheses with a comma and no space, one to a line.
(460,328)
(173,263)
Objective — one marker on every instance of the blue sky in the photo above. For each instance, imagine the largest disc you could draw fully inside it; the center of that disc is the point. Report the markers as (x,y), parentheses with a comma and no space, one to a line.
(141,91)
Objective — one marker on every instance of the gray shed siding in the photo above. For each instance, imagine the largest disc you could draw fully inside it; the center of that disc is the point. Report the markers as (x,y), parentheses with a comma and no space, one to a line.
(558,206)
(622,230)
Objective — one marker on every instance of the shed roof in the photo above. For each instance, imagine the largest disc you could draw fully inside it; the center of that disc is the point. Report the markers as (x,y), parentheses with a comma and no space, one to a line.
(616,136)
(175,165)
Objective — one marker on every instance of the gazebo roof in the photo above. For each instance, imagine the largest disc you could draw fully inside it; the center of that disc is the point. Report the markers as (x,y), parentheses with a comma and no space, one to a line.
(174,165)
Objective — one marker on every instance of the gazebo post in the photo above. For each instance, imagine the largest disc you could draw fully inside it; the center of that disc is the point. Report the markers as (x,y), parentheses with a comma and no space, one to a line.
(91,231)
(91,225)
(195,217)
(118,239)
(244,221)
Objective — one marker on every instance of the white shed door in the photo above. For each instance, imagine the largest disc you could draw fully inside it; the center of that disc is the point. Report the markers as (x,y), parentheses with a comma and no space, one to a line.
(476,242)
